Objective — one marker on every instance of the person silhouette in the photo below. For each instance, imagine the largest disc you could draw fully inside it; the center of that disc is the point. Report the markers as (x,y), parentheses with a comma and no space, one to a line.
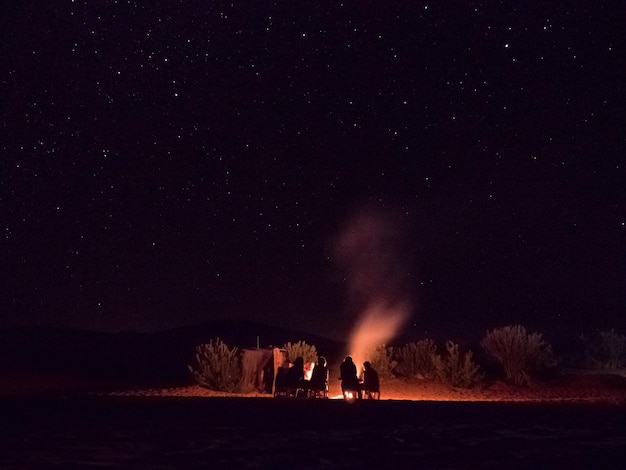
(295,377)
(371,384)
(319,378)
(280,385)
(349,379)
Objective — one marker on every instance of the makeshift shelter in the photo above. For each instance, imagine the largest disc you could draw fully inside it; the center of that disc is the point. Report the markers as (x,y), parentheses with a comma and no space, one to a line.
(260,367)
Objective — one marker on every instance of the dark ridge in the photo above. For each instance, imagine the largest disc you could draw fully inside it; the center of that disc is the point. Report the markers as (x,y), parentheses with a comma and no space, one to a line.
(159,358)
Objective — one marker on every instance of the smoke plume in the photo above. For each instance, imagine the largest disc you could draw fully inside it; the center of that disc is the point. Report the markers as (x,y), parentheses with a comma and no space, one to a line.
(371,252)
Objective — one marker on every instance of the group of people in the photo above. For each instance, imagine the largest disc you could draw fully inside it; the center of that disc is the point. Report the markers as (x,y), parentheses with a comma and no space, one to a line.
(290,381)
(353,387)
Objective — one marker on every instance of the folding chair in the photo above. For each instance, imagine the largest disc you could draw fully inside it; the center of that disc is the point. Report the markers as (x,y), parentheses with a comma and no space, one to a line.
(371,394)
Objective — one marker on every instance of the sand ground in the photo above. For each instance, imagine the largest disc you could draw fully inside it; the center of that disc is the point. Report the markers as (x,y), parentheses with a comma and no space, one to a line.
(574,422)
(573,387)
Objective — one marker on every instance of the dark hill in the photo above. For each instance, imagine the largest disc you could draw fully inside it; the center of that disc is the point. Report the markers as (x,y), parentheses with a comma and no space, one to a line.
(158,358)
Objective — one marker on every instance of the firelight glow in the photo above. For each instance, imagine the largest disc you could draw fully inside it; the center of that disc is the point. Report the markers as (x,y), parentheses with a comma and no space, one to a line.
(378,324)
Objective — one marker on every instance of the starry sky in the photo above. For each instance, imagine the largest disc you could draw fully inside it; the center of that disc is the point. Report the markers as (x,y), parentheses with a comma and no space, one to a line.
(167,163)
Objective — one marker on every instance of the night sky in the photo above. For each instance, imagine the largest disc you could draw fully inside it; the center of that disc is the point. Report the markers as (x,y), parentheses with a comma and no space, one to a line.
(167,163)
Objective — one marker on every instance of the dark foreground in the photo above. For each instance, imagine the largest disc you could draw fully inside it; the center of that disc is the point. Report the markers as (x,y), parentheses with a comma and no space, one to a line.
(81,432)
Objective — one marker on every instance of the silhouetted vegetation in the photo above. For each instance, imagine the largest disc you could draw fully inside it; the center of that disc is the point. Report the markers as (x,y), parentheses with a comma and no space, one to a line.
(606,350)
(415,359)
(522,355)
(301,349)
(456,368)
(217,367)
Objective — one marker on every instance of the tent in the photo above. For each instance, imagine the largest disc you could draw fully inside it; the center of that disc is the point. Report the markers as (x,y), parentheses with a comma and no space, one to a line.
(260,367)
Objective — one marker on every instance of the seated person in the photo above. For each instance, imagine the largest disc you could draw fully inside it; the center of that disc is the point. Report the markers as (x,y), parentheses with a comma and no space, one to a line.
(370,383)
(280,385)
(349,379)
(294,379)
(319,377)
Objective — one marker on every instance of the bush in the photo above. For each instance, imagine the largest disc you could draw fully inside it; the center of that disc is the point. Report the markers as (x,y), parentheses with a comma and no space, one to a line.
(607,350)
(301,349)
(381,360)
(455,368)
(415,358)
(522,355)
(217,367)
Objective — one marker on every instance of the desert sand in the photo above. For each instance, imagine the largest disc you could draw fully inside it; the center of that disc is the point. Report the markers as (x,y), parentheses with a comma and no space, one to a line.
(576,421)
(573,388)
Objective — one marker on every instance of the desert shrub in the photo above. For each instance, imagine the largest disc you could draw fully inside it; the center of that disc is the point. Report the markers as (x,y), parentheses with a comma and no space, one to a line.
(607,350)
(455,368)
(381,360)
(217,367)
(308,352)
(415,358)
(522,355)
